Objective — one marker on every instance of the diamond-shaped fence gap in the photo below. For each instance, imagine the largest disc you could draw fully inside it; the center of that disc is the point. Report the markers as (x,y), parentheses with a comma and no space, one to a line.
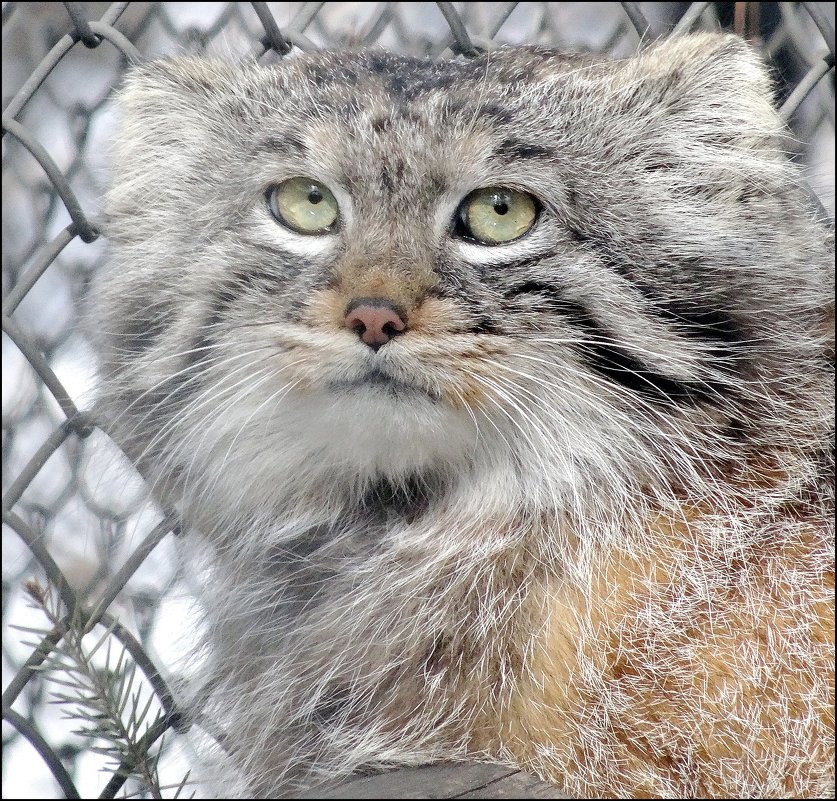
(20,385)
(47,309)
(820,165)
(109,483)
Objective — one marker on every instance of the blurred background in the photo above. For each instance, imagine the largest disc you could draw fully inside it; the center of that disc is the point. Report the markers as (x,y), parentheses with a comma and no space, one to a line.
(74,509)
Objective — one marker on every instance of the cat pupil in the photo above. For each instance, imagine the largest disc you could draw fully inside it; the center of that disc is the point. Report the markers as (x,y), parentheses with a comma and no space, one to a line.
(314,195)
(501,208)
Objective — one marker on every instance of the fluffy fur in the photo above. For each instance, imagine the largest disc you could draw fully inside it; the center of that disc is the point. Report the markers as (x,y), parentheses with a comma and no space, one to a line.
(580,520)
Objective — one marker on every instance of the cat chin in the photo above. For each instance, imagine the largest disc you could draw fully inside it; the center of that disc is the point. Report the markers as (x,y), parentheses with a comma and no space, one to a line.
(370,430)
(328,442)
(319,448)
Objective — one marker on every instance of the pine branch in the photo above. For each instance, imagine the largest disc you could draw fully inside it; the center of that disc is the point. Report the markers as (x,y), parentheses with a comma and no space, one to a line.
(112,707)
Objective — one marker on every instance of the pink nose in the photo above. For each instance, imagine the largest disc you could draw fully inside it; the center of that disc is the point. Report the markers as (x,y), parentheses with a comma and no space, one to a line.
(375,320)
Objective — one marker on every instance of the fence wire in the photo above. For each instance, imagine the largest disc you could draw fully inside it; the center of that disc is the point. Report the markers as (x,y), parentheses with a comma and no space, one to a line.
(76,515)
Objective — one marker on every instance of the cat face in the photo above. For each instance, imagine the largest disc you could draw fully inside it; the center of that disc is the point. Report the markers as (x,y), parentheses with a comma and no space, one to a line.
(555,271)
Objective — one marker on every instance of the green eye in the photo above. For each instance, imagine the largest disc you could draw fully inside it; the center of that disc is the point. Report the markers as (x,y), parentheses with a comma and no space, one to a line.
(303,205)
(495,215)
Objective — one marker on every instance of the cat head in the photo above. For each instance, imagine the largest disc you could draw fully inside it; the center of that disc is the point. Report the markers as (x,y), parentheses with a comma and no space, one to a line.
(561,276)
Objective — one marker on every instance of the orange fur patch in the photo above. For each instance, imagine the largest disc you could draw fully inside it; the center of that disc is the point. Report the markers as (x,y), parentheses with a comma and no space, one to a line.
(681,671)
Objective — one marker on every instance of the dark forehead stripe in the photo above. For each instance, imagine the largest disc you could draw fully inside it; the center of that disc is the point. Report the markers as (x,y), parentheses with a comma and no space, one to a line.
(497,114)
(398,113)
(406,78)
(516,149)
(329,74)
(409,77)
(287,145)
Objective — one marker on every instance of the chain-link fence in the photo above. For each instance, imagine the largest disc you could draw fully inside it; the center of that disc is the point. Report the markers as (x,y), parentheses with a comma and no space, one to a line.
(76,515)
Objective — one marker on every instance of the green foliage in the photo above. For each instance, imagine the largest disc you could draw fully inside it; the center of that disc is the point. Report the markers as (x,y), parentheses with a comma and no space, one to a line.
(98,685)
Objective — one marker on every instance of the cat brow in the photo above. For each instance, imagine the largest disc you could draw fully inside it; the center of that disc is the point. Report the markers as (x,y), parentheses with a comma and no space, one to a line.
(284,145)
(514,149)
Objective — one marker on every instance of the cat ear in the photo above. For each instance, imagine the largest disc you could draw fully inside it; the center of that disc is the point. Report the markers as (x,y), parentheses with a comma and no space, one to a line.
(695,113)
(171,116)
(163,87)
(711,84)
(169,110)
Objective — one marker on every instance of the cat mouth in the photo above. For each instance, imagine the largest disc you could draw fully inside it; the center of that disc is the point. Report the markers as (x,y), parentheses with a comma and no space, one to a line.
(377,380)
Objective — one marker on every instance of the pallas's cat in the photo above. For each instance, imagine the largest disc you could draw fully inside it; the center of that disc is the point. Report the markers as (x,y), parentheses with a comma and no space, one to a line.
(497,395)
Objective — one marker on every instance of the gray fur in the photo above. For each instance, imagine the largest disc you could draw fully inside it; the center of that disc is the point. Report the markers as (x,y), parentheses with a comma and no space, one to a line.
(376,555)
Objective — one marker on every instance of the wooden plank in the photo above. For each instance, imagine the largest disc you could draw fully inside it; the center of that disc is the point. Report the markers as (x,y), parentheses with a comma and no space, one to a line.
(463,780)
(517,785)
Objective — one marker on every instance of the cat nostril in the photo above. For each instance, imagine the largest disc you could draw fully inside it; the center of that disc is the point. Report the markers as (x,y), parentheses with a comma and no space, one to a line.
(376,321)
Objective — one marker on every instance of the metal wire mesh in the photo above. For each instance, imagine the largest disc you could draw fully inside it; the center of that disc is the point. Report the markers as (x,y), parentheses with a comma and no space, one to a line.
(74,511)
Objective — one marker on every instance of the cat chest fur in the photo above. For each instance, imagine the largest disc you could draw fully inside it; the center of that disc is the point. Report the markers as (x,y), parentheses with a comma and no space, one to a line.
(635,668)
